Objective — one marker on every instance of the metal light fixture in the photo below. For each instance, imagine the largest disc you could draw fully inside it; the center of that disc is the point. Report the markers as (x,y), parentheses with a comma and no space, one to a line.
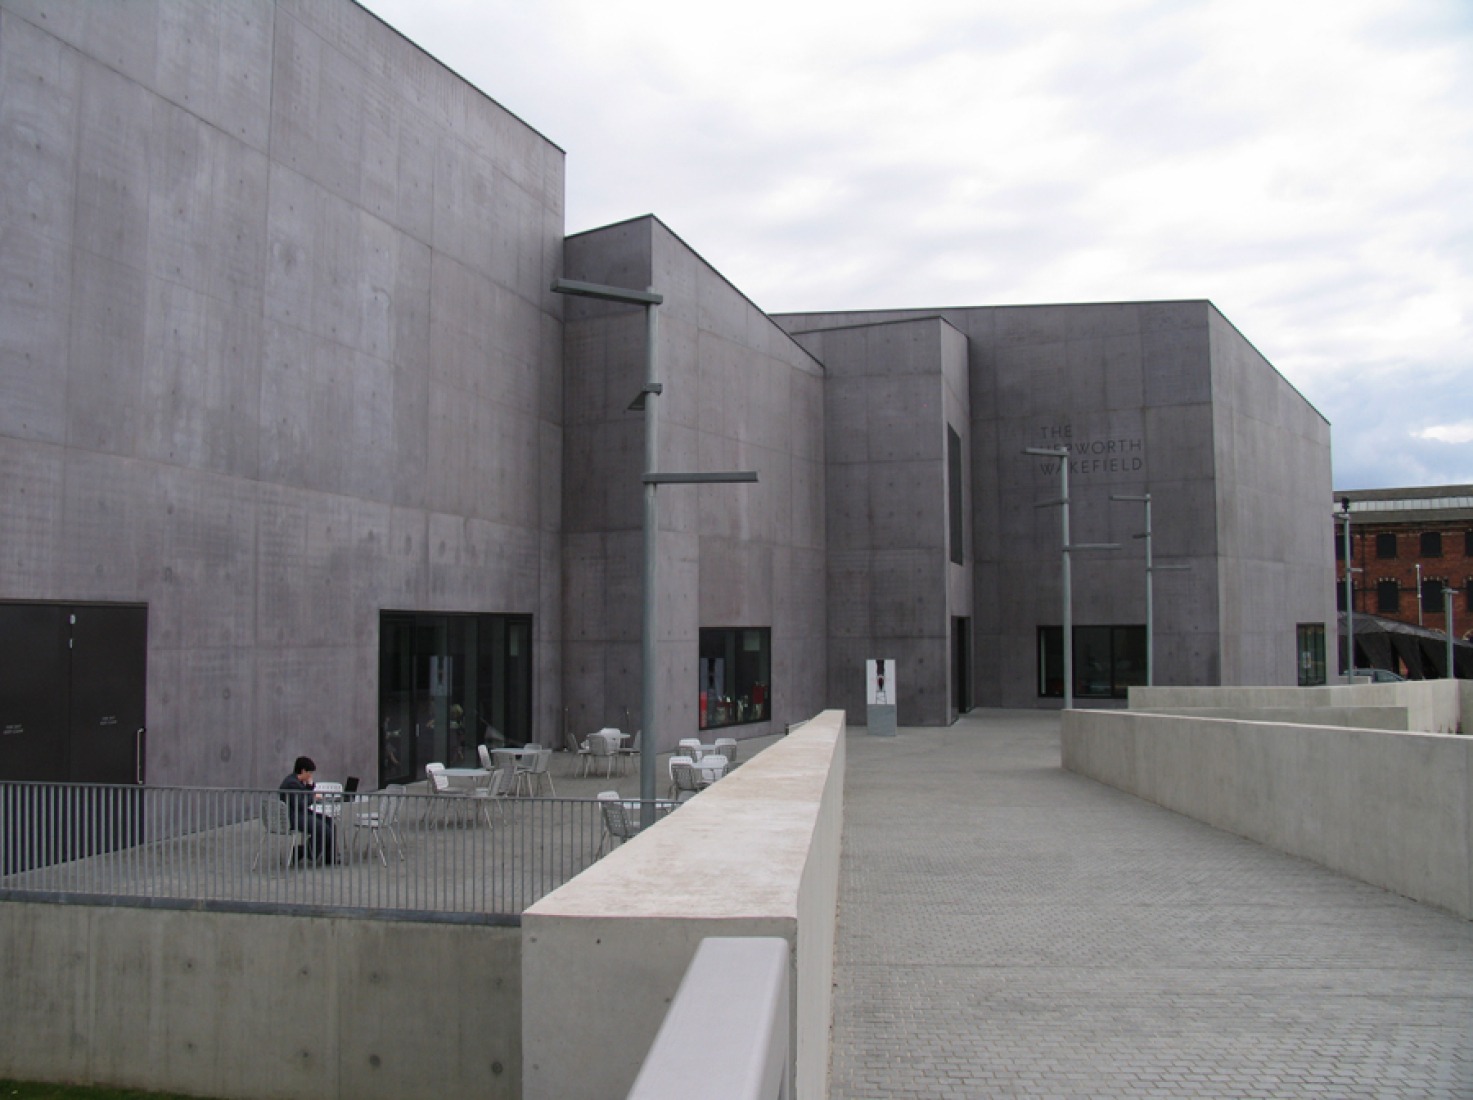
(1062,454)
(651,479)
(1150,570)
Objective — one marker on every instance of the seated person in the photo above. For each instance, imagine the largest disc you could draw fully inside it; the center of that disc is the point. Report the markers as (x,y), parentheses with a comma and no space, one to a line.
(297,792)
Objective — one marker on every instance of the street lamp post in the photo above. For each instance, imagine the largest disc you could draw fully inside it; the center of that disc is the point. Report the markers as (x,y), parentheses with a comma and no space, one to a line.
(1419,594)
(1349,597)
(644,402)
(1447,620)
(1062,455)
(1150,570)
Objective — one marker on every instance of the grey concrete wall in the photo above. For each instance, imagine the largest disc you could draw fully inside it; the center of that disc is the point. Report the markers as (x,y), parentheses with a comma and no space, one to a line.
(739,395)
(1432,706)
(1132,388)
(1272,455)
(257,1007)
(1371,718)
(277,352)
(890,391)
(755,855)
(1389,808)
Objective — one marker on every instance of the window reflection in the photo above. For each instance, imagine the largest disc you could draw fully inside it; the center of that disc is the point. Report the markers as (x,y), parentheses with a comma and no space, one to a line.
(1108,660)
(448,683)
(735,676)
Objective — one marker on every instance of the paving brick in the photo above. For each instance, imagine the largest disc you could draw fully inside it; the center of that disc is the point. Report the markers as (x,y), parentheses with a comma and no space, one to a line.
(1007,928)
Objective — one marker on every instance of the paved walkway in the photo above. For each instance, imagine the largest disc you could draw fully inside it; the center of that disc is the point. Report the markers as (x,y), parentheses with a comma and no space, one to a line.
(1008,929)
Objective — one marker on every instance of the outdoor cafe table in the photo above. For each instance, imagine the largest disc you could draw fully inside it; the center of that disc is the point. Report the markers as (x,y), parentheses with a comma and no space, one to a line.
(517,753)
(467,777)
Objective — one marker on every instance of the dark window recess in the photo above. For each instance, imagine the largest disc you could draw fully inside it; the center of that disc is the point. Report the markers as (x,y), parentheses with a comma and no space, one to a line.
(1340,596)
(1431,595)
(447,683)
(1468,543)
(1386,545)
(1108,660)
(1431,544)
(1311,646)
(954,494)
(1388,597)
(735,676)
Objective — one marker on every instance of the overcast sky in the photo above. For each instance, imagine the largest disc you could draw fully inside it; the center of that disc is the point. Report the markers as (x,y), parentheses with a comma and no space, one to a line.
(1305,164)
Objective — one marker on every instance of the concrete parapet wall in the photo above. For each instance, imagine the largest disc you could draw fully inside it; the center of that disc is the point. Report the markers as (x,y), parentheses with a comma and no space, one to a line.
(1371,718)
(1433,706)
(755,855)
(258,1006)
(1389,808)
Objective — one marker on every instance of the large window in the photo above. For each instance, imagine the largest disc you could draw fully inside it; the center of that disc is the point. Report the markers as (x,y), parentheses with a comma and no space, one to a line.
(1431,544)
(1311,645)
(735,676)
(1386,544)
(448,683)
(1388,597)
(1431,595)
(954,509)
(1108,660)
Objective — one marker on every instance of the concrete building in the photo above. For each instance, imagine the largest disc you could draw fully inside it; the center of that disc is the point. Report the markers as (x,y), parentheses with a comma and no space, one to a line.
(299,452)
(1165,398)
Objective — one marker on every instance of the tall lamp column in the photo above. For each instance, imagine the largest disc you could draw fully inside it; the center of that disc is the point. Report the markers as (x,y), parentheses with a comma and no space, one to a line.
(1066,580)
(649,746)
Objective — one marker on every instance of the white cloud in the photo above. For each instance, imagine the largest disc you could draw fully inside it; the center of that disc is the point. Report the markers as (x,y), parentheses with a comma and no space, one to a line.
(1461,432)
(1305,166)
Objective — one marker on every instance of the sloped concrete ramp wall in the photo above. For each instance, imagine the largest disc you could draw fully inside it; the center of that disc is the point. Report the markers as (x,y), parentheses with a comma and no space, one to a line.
(1389,808)
(1433,706)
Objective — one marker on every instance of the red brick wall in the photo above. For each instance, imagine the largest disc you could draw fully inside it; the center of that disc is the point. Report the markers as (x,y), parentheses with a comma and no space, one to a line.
(1455,567)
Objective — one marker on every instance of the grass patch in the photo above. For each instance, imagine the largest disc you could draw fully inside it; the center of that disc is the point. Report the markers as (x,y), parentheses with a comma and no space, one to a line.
(40,1090)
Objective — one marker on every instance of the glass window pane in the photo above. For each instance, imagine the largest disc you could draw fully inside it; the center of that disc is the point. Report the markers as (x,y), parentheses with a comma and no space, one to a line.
(735,678)
(1129,659)
(1051,661)
(1092,662)
(448,682)
(1311,648)
(1388,597)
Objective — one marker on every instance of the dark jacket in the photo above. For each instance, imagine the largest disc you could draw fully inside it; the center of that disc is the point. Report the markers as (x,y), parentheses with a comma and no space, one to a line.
(297,803)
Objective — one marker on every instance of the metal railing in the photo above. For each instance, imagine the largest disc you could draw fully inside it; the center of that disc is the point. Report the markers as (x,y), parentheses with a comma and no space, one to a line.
(403,855)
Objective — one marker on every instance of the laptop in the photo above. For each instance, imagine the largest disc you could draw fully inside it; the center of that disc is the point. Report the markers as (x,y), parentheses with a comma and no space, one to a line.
(350,785)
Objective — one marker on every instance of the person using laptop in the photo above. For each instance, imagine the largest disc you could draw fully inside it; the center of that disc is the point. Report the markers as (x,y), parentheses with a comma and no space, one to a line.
(298,792)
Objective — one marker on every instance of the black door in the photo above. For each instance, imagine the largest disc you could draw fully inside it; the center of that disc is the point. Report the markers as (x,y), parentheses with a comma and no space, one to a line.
(72,704)
(109,667)
(33,686)
(961,664)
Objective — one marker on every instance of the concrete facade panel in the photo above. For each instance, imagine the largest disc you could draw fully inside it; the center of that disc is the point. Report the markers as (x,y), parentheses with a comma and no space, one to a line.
(32,484)
(35,309)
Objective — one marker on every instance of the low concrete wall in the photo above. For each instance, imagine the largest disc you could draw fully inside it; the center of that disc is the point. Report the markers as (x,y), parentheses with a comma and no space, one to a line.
(258,1006)
(755,855)
(1370,718)
(1388,808)
(1433,706)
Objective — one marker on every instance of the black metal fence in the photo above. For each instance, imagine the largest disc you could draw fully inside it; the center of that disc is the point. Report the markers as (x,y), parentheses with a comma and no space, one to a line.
(467,856)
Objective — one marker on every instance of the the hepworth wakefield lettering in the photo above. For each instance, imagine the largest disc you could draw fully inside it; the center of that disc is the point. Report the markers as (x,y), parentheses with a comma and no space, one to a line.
(1107,454)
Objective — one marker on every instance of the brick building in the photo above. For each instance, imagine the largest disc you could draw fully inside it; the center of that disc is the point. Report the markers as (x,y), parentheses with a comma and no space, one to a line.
(1408,545)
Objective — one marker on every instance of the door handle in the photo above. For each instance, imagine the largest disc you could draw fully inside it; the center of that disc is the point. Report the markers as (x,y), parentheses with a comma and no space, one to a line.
(139,739)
